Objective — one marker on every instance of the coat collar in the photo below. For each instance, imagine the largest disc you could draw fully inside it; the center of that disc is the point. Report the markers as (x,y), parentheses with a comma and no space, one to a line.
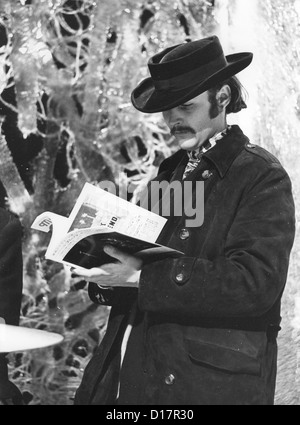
(226,151)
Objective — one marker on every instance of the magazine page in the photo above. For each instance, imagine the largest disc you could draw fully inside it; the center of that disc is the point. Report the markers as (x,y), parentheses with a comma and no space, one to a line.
(96,208)
(51,222)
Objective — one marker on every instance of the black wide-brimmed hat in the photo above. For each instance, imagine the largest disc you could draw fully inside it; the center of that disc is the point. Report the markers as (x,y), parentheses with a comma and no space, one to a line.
(184,71)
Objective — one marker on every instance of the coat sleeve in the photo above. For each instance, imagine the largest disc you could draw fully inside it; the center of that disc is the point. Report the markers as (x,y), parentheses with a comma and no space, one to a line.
(112,296)
(248,278)
(11,283)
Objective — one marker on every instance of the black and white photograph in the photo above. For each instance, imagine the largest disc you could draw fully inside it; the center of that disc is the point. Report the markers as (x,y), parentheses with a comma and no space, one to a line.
(149,194)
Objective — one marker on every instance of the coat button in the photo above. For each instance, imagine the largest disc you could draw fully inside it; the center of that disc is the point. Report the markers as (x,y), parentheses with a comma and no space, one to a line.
(206,174)
(180,277)
(184,234)
(170,379)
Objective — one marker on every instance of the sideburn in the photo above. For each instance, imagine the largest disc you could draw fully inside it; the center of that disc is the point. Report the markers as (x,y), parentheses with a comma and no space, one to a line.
(215,108)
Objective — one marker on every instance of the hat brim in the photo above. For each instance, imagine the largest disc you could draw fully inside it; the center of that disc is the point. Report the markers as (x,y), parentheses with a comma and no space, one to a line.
(146,98)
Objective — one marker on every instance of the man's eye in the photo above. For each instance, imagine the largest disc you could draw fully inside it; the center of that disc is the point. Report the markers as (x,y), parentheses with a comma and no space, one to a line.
(186,106)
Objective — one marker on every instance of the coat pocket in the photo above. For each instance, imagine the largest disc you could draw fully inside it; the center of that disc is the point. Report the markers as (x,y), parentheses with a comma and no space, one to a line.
(231,351)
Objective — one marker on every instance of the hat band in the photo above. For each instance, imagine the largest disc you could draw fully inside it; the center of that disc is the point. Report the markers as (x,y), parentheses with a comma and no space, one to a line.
(189,79)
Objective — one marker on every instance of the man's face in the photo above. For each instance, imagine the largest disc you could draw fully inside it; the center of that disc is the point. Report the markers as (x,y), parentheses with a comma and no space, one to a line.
(191,123)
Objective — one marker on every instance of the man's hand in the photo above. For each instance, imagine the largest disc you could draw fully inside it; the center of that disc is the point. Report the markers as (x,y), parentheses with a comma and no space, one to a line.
(126,272)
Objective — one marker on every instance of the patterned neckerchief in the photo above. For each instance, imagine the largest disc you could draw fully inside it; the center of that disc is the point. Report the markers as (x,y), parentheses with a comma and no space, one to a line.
(196,155)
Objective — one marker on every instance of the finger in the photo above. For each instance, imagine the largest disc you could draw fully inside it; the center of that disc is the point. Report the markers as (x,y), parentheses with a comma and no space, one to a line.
(124,257)
(77,272)
(91,273)
(116,253)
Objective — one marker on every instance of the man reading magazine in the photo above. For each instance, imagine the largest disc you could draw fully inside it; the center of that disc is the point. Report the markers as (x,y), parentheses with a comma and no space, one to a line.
(199,329)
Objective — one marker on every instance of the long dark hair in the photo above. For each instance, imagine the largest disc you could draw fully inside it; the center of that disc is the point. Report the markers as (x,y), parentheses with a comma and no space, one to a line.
(238,96)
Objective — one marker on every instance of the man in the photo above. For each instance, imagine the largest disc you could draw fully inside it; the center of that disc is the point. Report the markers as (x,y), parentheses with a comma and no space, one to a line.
(11,282)
(200,329)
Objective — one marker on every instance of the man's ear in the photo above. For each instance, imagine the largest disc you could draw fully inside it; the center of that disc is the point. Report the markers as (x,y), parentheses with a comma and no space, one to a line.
(224,96)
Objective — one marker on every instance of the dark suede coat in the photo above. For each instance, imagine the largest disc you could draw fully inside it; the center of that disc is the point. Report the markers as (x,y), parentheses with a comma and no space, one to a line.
(11,282)
(208,321)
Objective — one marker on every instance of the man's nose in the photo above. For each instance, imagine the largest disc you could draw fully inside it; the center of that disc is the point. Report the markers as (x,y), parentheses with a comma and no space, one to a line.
(172,117)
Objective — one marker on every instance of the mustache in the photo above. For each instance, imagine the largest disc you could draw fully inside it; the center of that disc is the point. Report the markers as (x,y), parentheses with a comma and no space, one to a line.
(182,128)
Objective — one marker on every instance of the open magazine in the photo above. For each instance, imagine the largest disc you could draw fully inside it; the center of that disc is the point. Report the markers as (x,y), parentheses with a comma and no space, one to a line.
(100,218)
